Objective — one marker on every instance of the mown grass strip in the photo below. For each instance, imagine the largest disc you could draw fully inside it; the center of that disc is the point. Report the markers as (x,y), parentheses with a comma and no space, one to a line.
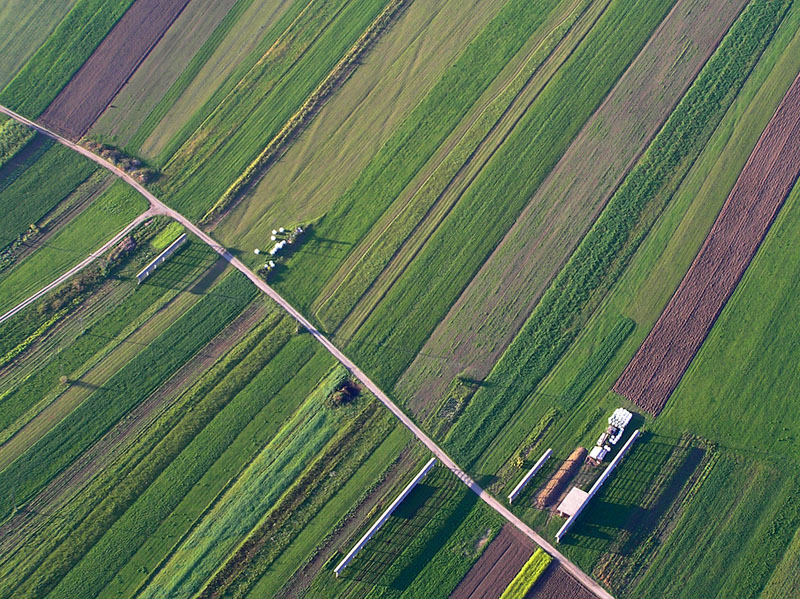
(527,577)
(299,120)
(40,188)
(414,306)
(592,368)
(261,103)
(411,146)
(240,72)
(187,76)
(202,455)
(72,357)
(607,248)
(355,283)
(73,41)
(109,496)
(262,483)
(318,483)
(131,384)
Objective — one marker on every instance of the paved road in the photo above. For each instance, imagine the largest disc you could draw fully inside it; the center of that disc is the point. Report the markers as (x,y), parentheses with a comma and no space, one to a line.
(158,207)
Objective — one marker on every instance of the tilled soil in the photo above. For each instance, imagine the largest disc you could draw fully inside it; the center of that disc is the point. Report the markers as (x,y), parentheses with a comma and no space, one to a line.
(496,567)
(110,66)
(770,172)
(556,583)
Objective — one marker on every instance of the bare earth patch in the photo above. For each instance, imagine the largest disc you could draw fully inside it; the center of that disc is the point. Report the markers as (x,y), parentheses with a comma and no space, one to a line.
(556,583)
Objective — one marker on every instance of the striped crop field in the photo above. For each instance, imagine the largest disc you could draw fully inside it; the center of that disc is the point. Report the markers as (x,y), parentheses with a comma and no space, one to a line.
(490,208)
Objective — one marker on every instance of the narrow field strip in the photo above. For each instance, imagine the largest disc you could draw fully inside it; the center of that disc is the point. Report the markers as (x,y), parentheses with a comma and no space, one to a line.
(193,475)
(56,61)
(270,474)
(235,47)
(18,530)
(120,486)
(26,25)
(307,111)
(180,47)
(770,172)
(104,73)
(261,103)
(414,306)
(410,147)
(608,246)
(134,381)
(491,310)
(352,286)
(39,189)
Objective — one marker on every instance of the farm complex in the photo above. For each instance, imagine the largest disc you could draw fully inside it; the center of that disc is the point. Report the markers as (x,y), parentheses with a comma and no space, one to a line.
(399,299)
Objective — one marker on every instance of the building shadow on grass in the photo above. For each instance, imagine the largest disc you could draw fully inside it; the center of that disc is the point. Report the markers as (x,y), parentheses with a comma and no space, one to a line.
(416,531)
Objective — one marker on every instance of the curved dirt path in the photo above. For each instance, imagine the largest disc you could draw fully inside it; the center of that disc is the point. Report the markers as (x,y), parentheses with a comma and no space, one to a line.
(80,266)
(158,207)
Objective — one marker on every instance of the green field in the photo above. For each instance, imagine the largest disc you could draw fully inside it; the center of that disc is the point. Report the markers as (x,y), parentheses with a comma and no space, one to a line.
(103,219)
(174,56)
(40,188)
(26,24)
(61,55)
(615,236)
(500,198)
(239,41)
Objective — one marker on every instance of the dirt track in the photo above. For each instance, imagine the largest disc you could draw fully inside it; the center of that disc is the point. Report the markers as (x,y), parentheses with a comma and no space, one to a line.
(158,207)
(96,83)
(496,567)
(770,172)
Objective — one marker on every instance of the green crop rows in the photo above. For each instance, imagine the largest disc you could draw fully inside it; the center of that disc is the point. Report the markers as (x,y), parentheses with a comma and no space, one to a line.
(356,282)
(618,231)
(40,188)
(412,145)
(527,577)
(125,389)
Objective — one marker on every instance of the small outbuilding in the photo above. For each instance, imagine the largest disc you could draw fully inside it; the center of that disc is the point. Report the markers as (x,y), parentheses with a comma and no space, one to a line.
(572,502)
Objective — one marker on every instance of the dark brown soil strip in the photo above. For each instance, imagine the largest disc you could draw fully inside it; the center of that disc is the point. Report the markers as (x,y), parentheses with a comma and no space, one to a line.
(762,187)
(496,567)
(96,83)
(556,583)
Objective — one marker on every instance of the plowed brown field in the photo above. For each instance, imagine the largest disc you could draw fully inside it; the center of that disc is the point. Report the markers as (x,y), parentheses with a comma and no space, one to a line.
(770,172)
(556,583)
(497,567)
(96,83)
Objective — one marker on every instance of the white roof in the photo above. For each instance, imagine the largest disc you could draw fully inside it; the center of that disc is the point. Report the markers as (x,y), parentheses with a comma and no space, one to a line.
(572,501)
(598,453)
